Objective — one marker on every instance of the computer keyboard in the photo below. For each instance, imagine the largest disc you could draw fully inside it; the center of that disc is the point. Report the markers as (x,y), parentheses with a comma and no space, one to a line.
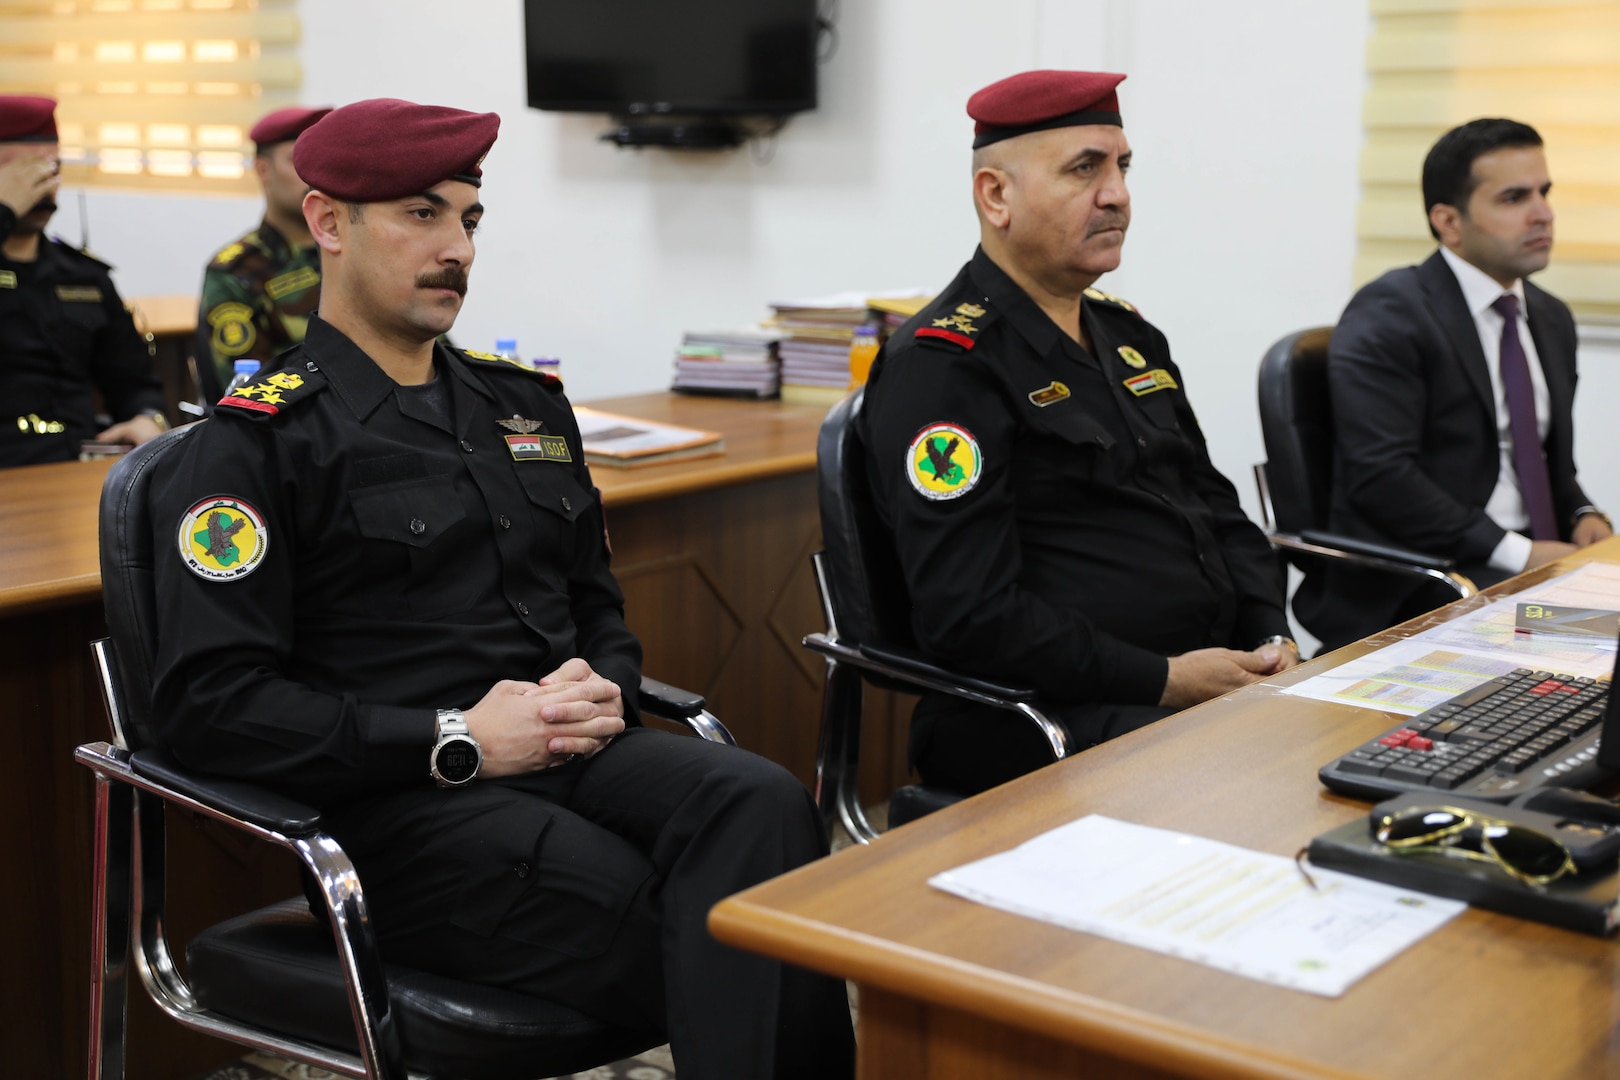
(1516,732)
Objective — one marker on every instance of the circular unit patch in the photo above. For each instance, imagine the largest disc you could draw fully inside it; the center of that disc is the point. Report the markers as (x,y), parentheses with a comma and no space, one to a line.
(1132,357)
(222,538)
(943,461)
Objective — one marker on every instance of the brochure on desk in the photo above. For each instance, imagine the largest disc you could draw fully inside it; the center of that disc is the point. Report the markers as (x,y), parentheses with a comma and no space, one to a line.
(1241,911)
(1429,667)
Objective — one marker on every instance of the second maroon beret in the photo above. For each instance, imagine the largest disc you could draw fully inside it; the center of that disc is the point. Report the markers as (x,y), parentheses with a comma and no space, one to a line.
(284,124)
(27,118)
(1041,100)
(385,148)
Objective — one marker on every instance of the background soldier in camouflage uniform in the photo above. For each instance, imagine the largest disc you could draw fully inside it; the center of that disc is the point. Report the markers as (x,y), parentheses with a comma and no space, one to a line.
(259,291)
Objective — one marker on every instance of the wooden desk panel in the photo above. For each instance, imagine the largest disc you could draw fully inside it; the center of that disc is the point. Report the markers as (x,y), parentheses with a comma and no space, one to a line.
(714,558)
(1486,996)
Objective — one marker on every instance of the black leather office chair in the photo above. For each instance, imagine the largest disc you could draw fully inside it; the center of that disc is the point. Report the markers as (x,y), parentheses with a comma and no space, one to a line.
(1296,480)
(276,979)
(869,637)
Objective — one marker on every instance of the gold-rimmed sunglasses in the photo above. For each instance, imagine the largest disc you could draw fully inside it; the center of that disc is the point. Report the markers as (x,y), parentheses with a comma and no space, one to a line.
(1529,855)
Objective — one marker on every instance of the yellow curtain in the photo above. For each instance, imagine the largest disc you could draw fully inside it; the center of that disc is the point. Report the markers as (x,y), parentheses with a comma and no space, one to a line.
(1553,64)
(154,94)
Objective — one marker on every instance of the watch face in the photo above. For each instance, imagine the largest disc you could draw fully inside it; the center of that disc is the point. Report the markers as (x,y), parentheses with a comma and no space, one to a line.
(456,760)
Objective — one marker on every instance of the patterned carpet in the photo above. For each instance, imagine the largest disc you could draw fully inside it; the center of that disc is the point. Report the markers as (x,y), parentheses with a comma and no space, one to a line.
(655,1064)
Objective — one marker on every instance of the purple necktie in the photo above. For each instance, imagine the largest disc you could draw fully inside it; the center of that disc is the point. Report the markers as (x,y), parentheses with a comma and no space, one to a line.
(1528,460)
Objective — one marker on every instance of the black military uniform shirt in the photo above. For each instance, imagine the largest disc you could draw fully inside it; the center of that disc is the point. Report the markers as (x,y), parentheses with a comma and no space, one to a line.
(337,560)
(64,334)
(1055,511)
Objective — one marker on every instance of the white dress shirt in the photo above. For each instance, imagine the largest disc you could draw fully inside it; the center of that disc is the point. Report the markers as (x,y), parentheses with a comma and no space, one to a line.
(1506,505)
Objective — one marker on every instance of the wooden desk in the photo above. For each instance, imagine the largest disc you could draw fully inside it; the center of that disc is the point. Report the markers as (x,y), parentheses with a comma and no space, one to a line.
(952,989)
(713,555)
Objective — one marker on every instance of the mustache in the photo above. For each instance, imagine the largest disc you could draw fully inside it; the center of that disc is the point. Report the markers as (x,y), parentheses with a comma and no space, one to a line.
(1112,221)
(46,205)
(451,277)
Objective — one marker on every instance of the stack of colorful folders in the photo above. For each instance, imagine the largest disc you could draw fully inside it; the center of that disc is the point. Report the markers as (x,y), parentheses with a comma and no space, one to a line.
(816,336)
(738,363)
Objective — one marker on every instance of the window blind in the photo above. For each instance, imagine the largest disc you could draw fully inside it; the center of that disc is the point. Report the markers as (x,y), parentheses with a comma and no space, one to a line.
(154,94)
(1553,64)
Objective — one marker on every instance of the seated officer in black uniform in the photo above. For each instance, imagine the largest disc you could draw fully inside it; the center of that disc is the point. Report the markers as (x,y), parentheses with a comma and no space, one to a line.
(64,333)
(1032,450)
(384,545)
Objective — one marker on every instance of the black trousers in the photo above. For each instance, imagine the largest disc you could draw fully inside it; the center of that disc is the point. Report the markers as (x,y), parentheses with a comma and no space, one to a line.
(590,884)
(960,746)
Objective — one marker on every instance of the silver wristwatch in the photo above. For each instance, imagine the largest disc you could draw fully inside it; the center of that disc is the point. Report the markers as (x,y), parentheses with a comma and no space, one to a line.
(1285,641)
(457,756)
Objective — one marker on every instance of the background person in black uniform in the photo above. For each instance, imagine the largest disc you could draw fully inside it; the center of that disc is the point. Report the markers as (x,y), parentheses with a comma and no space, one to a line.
(383,529)
(1424,437)
(1031,448)
(64,333)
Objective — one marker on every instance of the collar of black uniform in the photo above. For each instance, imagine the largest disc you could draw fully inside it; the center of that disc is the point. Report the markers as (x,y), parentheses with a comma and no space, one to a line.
(1014,304)
(357,378)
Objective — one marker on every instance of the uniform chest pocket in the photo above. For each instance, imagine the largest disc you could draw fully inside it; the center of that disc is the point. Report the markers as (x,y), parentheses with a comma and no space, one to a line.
(553,489)
(415,513)
(80,322)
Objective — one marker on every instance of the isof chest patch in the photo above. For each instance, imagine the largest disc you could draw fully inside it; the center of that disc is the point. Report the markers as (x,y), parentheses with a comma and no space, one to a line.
(222,538)
(944,462)
(539,448)
(1150,381)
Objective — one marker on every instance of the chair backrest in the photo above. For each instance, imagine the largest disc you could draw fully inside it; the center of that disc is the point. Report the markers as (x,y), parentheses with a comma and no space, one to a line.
(1296,420)
(127,587)
(867,591)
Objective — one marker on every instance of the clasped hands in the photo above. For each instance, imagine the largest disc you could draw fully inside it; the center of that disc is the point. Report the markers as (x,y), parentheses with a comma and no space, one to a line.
(526,726)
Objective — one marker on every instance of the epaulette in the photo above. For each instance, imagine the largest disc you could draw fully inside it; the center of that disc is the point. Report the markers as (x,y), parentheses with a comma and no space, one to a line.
(958,329)
(80,253)
(1109,298)
(272,395)
(231,254)
(507,363)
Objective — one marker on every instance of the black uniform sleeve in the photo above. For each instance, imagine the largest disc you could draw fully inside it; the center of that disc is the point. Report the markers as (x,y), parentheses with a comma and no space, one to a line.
(121,365)
(1379,407)
(961,556)
(225,692)
(1257,573)
(8,221)
(597,606)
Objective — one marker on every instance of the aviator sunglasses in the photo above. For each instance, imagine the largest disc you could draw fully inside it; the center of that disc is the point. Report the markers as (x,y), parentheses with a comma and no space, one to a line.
(1531,856)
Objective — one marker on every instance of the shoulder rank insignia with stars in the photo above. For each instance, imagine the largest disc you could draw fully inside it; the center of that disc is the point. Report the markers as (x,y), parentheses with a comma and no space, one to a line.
(958,328)
(271,395)
(1109,298)
(552,382)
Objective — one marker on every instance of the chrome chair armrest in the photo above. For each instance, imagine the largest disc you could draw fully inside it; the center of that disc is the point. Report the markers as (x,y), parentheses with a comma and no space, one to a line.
(671,703)
(1375,556)
(156,782)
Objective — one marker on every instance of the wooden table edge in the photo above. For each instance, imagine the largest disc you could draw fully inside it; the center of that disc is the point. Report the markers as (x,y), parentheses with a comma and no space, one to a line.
(1032,1006)
(629,487)
(45,595)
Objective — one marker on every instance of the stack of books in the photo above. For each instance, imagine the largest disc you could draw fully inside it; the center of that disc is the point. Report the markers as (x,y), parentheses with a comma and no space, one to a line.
(739,363)
(816,336)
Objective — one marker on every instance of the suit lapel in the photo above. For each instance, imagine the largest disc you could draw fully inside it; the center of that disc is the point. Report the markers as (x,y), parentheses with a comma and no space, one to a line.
(1456,324)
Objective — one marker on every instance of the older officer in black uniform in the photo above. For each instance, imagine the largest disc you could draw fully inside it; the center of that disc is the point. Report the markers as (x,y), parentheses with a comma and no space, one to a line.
(64,333)
(385,546)
(1034,454)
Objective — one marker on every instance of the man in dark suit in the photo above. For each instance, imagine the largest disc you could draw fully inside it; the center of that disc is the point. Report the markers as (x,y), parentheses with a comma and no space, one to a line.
(1453,384)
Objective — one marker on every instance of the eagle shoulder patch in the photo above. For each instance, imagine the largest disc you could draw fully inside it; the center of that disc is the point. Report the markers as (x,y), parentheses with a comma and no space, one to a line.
(943,461)
(222,538)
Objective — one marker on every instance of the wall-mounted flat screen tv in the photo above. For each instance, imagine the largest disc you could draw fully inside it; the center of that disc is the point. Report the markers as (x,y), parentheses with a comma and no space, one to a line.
(653,57)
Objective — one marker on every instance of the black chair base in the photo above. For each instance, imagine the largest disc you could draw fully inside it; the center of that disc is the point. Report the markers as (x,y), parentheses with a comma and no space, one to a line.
(277,968)
(913,801)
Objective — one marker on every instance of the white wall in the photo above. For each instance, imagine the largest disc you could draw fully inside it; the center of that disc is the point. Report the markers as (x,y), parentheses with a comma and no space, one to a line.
(1244,118)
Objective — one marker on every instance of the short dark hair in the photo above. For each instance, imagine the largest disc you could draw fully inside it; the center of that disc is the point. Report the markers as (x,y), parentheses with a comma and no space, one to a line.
(1448,171)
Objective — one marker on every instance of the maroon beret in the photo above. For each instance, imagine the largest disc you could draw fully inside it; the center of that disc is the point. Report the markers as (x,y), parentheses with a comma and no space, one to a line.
(1040,100)
(284,124)
(382,149)
(27,118)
